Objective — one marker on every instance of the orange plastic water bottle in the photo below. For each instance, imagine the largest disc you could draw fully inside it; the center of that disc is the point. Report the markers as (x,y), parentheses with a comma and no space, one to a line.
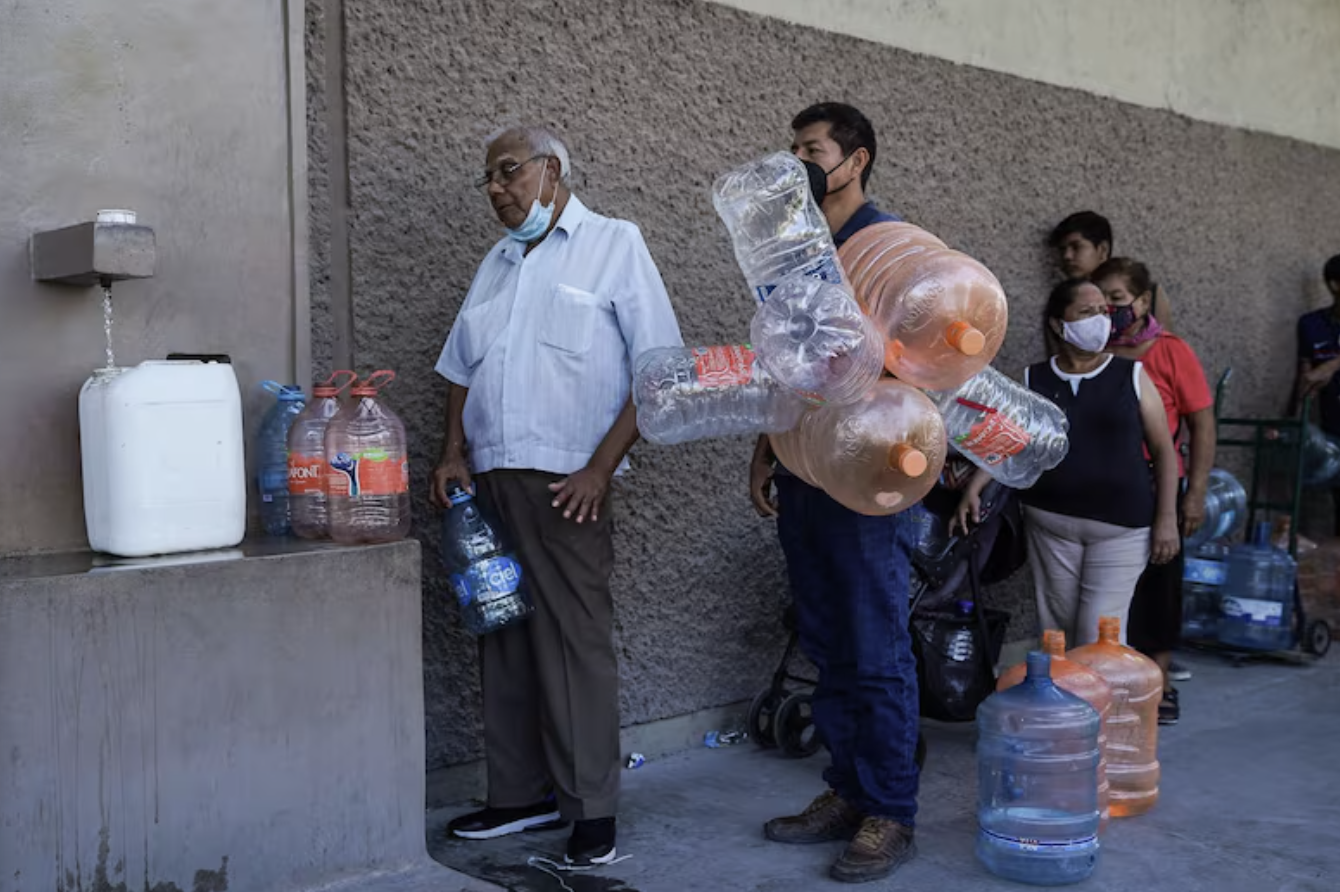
(1132,723)
(1083,682)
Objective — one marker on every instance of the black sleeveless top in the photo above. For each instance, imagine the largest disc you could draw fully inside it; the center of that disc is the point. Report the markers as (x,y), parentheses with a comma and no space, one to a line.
(1105,475)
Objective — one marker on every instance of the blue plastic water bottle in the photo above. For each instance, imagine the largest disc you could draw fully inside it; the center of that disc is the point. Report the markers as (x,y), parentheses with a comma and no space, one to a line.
(272,455)
(1037,776)
(1258,596)
(485,575)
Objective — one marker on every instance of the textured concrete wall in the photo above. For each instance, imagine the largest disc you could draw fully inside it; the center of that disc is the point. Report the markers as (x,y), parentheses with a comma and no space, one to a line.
(1264,66)
(656,99)
(180,111)
(253,723)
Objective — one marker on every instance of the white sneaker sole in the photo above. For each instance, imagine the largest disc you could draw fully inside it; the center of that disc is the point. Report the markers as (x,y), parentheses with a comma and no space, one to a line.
(508,829)
(607,858)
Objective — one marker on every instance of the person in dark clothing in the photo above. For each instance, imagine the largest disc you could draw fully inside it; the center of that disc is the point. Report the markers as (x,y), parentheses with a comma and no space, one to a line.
(849,580)
(1319,361)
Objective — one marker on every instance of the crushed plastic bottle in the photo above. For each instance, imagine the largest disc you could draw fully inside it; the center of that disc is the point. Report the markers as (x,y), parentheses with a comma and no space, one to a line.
(812,336)
(1009,431)
(367,468)
(690,393)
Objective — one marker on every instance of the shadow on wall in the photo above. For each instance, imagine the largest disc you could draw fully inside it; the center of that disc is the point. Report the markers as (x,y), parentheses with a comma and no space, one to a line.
(656,99)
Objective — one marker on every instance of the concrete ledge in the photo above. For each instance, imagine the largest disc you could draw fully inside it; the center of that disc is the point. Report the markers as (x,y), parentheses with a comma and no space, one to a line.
(249,721)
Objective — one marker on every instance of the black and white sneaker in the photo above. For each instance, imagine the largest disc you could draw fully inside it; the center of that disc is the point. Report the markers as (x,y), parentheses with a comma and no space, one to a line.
(491,823)
(1178,672)
(1170,709)
(592,843)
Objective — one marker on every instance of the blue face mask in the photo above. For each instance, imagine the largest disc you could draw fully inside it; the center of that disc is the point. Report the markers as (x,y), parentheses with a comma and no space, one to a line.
(537,221)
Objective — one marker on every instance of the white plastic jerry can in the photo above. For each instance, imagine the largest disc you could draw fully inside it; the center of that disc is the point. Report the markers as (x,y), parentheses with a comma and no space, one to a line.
(163,458)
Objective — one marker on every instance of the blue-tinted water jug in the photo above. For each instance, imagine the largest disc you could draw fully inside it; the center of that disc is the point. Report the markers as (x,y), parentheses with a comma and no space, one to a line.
(1257,604)
(485,575)
(1203,576)
(272,455)
(1037,781)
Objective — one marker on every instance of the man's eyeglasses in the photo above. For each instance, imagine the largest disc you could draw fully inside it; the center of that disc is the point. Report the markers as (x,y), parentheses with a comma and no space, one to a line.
(504,173)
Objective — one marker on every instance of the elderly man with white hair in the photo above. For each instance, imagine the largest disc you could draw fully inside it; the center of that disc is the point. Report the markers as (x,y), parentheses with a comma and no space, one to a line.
(539,417)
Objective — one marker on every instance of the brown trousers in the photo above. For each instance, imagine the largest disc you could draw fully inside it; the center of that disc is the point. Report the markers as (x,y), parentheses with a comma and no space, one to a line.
(551,684)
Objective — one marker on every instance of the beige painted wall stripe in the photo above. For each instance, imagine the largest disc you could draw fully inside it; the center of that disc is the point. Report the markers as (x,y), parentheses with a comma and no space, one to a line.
(1270,65)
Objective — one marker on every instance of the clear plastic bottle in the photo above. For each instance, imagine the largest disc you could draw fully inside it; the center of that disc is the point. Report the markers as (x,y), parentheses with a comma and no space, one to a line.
(1258,597)
(690,393)
(1133,723)
(1225,510)
(1084,683)
(880,248)
(1037,766)
(1204,573)
(1003,427)
(776,226)
(943,315)
(272,455)
(307,458)
(488,580)
(367,468)
(879,455)
(812,336)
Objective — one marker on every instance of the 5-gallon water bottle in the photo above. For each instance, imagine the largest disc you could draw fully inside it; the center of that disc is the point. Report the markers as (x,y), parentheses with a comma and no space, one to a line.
(878,455)
(1037,786)
(688,393)
(943,315)
(307,458)
(812,336)
(1003,427)
(878,249)
(776,226)
(1203,576)
(367,469)
(1257,603)
(485,575)
(1133,723)
(272,455)
(1084,683)
(1225,510)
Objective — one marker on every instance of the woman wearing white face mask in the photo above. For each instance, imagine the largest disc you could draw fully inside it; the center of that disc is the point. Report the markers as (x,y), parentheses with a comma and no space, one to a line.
(1096,519)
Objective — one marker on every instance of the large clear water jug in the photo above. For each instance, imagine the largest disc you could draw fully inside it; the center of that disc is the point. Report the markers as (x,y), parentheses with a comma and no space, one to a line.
(163,458)
(367,468)
(1037,781)
(1225,510)
(1257,606)
(307,470)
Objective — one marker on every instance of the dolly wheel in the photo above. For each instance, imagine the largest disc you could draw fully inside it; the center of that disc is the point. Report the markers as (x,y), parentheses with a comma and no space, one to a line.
(795,730)
(763,715)
(1317,639)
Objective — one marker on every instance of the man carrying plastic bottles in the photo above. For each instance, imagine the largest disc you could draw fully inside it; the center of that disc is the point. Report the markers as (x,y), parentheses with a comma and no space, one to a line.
(539,361)
(849,580)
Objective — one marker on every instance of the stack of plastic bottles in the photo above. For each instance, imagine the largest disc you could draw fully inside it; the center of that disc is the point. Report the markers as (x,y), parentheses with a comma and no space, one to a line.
(895,299)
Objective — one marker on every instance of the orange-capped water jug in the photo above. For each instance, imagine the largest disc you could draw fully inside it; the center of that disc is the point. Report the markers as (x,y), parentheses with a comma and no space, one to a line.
(943,314)
(1084,683)
(367,468)
(878,456)
(1133,721)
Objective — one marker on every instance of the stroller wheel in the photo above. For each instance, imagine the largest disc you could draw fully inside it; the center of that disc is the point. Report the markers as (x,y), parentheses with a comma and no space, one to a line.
(763,716)
(794,727)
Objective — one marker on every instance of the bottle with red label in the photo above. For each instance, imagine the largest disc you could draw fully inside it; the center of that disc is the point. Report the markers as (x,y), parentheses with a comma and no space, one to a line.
(307,458)
(689,393)
(1004,428)
(367,468)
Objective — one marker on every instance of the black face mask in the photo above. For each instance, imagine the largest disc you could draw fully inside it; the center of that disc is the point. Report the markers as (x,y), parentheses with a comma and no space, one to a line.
(819,180)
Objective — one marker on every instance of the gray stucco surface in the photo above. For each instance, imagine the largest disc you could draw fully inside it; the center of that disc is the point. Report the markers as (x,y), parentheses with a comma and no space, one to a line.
(658,98)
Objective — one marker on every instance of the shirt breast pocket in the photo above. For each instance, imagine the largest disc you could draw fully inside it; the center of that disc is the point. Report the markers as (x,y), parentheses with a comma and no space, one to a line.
(569,319)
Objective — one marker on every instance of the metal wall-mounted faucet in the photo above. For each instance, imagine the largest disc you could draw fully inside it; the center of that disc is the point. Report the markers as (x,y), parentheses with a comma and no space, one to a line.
(112,248)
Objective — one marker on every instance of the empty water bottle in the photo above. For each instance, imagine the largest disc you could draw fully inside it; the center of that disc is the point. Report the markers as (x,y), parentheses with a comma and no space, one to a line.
(1203,576)
(367,468)
(1003,427)
(1225,510)
(1132,725)
(776,226)
(1257,604)
(812,336)
(307,458)
(1037,770)
(272,455)
(689,393)
(486,577)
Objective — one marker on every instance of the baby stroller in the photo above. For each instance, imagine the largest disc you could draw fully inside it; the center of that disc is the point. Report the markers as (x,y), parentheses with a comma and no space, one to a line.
(955,671)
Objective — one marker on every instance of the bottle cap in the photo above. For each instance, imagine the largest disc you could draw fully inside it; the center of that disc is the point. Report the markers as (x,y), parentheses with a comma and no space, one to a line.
(286,392)
(372,383)
(908,459)
(332,386)
(458,495)
(965,339)
(1053,642)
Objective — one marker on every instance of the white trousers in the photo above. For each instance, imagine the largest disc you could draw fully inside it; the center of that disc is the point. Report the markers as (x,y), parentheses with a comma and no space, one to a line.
(1083,570)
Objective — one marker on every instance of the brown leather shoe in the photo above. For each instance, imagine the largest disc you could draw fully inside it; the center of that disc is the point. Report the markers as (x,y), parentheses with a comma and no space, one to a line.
(827,818)
(880,847)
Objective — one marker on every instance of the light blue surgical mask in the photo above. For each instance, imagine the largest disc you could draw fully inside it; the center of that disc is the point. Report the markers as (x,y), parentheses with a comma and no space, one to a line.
(538,219)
